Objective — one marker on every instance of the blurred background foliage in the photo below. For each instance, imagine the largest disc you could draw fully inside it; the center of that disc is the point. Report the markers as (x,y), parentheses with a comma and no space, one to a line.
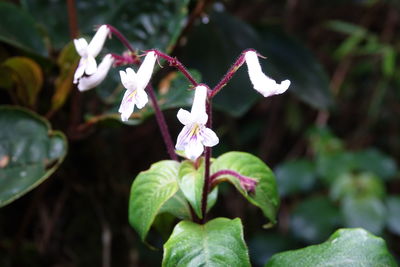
(333,140)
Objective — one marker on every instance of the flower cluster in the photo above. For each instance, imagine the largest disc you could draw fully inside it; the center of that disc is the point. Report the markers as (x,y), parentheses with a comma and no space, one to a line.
(88,75)
(194,135)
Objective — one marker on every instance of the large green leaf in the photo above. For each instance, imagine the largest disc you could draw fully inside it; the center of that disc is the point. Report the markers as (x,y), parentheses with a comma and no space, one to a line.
(29,152)
(191,183)
(393,208)
(265,195)
(217,243)
(345,248)
(295,177)
(366,212)
(373,160)
(314,219)
(150,190)
(17,28)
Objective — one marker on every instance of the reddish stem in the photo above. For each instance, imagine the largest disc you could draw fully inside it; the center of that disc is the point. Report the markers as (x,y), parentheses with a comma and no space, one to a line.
(174,62)
(162,124)
(228,76)
(207,157)
(247,183)
(121,37)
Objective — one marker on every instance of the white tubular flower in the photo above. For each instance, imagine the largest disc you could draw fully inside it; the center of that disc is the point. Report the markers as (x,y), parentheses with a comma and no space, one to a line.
(135,84)
(261,82)
(91,81)
(88,52)
(195,135)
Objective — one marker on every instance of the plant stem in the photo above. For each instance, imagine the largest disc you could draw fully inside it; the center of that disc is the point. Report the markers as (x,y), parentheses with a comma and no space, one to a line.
(162,124)
(177,64)
(228,76)
(207,157)
(121,37)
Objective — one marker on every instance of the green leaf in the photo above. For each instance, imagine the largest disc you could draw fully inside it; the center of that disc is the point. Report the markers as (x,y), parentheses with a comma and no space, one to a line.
(217,243)
(373,160)
(27,77)
(17,28)
(177,206)
(393,208)
(314,219)
(266,192)
(191,183)
(345,248)
(149,191)
(357,185)
(67,62)
(29,152)
(295,177)
(366,212)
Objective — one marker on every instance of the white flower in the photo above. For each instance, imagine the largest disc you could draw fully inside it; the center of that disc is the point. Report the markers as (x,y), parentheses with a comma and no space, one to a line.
(91,81)
(195,135)
(261,82)
(135,84)
(88,52)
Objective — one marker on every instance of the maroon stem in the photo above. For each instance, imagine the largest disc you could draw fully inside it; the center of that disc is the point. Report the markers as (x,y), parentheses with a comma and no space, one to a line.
(162,124)
(177,64)
(121,37)
(207,157)
(228,76)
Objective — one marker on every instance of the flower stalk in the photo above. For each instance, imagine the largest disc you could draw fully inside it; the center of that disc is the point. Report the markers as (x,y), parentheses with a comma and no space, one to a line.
(174,62)
(207,159)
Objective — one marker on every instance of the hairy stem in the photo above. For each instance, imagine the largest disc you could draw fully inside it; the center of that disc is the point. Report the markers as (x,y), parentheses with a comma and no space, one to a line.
(207,157)
(162,124)
(121,37)
(174,62)
(228,76)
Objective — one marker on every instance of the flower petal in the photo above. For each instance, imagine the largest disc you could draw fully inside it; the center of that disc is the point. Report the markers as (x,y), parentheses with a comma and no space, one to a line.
(97,42)
(80,70)
(141,98)
(89,82)
(91,65)
(128,79)
(261,82)
(184,116)
(81,46)
(183,137)
(209,137)
(194,149)
(146,70)
(127,106)
(199,101)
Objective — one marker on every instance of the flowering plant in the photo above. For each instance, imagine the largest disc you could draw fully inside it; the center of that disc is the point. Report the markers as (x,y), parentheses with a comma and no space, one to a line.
(186,188)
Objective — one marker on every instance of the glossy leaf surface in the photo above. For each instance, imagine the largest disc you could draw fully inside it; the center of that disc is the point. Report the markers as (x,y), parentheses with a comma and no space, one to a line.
(30,151)
(345,248)
(217,243)
(149,191)
(265,195)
